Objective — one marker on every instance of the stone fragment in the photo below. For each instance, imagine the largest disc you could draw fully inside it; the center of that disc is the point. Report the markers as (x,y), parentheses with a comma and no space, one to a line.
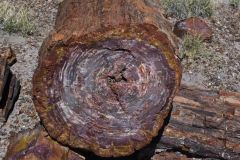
(193,26)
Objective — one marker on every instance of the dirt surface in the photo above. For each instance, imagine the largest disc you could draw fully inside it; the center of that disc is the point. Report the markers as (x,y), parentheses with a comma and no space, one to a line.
(218,68)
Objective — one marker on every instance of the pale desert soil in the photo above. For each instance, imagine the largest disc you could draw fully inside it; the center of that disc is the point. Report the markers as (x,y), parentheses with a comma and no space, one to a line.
(219,68)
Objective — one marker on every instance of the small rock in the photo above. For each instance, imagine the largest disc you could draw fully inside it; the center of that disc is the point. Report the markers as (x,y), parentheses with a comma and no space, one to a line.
(193,26)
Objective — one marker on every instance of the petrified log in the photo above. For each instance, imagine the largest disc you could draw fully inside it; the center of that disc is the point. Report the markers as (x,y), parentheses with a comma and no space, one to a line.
(107,75)
(204,123)
(9,89)
(37,145)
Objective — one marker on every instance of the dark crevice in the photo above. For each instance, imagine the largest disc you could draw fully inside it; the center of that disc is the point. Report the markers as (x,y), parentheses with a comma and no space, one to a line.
(111,79)
(6,91)
(7,74)
(118,77)
(15,96)
(122,74)
(118,49)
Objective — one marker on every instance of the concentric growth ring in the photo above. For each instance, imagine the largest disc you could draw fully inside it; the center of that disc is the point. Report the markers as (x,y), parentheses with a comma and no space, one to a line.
(107,97)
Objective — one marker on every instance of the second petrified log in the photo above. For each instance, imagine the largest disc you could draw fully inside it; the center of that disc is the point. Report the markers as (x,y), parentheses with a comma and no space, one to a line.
(106,76)
(9,88)
(204,123)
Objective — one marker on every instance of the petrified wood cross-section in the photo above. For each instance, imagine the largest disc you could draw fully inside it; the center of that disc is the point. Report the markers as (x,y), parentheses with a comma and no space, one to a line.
(106,76)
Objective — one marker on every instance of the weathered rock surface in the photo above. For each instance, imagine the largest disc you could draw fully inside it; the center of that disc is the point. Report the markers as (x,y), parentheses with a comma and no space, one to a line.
(193,26)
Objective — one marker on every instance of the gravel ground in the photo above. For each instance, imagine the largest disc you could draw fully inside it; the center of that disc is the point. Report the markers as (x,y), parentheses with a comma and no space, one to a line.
(219,68)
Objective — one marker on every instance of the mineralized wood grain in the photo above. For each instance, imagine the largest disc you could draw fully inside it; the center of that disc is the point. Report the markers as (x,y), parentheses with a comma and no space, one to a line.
(170,156)
(204,123)
(37,145)
(9,90)
(107,75)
